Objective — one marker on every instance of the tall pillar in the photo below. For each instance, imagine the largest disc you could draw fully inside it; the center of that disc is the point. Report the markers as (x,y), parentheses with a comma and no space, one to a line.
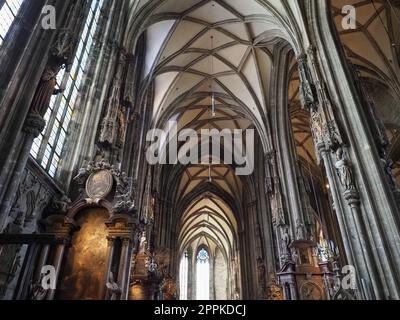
(109,255)
(42,261)
(286,159)
(124,264)
(58,258)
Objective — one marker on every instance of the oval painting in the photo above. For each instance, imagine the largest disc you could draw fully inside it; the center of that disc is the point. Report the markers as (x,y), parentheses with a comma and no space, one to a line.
(99,184)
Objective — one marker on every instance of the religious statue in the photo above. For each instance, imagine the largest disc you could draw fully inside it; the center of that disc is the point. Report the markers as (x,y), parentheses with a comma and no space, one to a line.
(61,53)
(46,89)
(121,119)
(300,230)
(113,287)
(285,242)
(344,171)
(143,243)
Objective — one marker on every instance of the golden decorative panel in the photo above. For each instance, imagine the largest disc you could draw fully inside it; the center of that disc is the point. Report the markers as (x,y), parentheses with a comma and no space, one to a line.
(86,261)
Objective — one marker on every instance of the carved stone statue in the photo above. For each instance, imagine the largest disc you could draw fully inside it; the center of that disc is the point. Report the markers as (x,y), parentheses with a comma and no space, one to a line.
(46,89)
(113,287)
(61,53)
(300,230)
(344,171)
(143,243)
(285,240)
(121,126)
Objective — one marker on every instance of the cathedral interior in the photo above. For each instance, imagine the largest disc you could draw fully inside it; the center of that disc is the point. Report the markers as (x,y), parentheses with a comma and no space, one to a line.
(84,214)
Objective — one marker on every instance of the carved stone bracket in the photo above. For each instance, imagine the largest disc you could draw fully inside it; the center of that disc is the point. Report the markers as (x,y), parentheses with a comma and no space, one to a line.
(34,124)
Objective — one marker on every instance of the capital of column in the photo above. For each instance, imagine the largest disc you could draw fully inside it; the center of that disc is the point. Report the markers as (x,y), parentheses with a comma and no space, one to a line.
(126,241)
(111,240)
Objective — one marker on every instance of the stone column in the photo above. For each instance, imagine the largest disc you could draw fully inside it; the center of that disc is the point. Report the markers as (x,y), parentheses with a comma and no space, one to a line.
(41,262)
(286,160)
(58,258)
(124,264)
(109,254)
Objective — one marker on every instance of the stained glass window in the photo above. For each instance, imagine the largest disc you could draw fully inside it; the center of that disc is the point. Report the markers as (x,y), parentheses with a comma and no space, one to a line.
(48,147)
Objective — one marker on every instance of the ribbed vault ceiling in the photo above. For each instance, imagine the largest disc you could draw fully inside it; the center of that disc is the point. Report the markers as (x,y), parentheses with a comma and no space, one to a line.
(204,48)
(222,176)
(208,222)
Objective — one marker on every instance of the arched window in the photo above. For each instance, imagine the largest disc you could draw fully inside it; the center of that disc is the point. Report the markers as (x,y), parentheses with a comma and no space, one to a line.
(183,277)
(48,147)
(8,13)
(203,275)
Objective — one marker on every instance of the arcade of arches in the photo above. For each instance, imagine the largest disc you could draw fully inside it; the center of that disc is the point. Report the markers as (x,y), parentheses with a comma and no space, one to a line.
(78,194)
